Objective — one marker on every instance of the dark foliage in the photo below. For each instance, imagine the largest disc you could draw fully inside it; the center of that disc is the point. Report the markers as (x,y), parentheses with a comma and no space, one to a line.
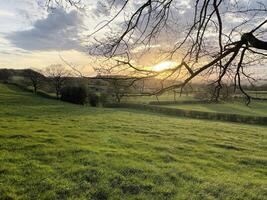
(93,99)
(74,94)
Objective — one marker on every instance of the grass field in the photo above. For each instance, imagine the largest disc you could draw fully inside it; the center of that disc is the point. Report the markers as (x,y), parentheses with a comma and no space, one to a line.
(53,150)
(163,97)
(255,108)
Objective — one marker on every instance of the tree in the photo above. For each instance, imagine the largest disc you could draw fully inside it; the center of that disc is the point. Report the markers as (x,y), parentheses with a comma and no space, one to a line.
(207,92)
(117,86)
(219,37)
(35,77)
(58,76)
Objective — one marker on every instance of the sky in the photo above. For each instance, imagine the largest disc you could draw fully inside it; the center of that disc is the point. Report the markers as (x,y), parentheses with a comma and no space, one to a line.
(32,37)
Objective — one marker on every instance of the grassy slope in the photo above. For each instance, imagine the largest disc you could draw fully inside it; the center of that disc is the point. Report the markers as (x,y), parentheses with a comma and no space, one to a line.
(256,108)
(50,150)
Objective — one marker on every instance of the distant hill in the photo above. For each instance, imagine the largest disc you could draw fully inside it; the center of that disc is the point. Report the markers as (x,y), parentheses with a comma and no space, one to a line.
(7,74)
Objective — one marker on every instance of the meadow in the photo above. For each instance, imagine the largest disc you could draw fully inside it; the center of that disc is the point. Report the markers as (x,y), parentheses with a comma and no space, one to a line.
(153,98)
(255,108)
(55,150)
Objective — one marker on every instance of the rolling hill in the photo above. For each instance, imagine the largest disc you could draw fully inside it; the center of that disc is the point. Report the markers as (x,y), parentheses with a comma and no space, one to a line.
(55,150)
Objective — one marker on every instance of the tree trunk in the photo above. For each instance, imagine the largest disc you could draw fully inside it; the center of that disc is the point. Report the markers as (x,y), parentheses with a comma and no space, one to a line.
(118,98)
(34,88)
(57,94)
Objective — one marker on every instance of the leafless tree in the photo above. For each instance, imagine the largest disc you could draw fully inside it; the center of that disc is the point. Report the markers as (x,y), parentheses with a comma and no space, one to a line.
(58,76)
(35,77)
(119,88)
(209,44)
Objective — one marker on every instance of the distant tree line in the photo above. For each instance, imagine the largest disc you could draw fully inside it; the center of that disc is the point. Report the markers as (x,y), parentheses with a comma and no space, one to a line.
(58,80)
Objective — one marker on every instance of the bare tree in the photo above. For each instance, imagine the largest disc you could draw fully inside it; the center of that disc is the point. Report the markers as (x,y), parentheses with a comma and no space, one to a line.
(211,43)
(119,88)
(58,76)
(35,77)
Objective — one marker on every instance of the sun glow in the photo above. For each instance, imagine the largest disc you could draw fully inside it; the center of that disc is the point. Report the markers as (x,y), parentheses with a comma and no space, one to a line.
(164,65)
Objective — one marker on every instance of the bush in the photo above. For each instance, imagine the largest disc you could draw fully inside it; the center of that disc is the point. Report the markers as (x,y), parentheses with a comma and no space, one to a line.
(74,94)
(93,99)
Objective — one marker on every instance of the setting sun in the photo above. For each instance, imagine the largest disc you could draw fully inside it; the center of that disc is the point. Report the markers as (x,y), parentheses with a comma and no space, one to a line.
(164,65)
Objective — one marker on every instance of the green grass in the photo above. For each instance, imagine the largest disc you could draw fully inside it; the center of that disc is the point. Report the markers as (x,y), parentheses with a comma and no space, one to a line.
(256,108)
(163,97)
(53,150)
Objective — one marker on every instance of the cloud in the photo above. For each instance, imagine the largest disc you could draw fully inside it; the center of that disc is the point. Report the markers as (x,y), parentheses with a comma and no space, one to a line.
(6,13)
(105,7)
(60,30)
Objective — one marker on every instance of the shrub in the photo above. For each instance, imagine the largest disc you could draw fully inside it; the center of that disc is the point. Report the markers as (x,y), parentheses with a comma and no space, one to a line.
(74,94)
(93,99)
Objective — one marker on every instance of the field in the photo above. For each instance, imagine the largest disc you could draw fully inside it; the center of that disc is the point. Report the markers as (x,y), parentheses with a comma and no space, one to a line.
(163,97)
(255,108)
(54,150)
